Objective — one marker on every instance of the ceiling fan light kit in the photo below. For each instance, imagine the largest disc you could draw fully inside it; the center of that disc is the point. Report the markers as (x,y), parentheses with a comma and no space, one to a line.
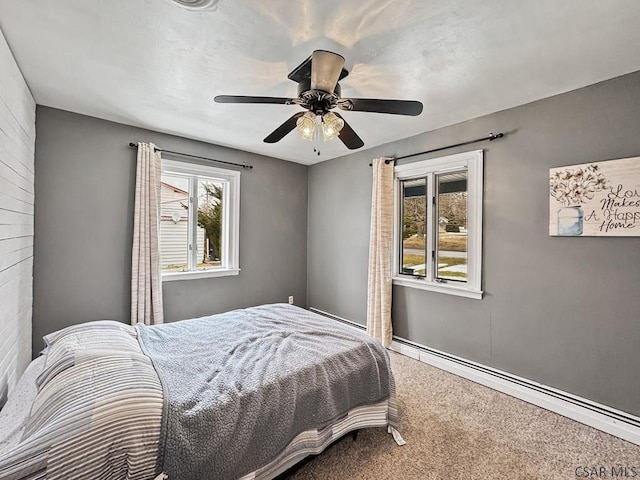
(319,92)
(329,123)
(317,128)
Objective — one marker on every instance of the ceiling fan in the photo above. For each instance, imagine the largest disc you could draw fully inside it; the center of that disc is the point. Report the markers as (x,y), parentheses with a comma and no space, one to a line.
(319,93)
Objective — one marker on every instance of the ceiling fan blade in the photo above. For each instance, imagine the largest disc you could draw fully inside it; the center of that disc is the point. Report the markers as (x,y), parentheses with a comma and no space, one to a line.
(245,99)
(326,68)
(396,107)
(348,136)
(280,132)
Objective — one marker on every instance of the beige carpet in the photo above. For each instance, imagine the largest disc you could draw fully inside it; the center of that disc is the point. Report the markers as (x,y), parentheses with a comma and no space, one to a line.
(457,429)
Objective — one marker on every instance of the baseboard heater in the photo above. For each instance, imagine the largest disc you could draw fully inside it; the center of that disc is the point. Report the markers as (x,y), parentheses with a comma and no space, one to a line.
(602,417)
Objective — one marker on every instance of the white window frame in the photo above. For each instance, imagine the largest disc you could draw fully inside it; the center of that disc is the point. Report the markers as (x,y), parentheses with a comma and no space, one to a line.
(230,214)
(473,163)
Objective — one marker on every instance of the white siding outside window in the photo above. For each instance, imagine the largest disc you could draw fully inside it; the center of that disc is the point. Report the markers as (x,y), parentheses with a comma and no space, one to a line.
(174,228)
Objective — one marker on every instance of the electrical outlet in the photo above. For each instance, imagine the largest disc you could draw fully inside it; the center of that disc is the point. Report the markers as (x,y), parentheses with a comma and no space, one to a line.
(290,299)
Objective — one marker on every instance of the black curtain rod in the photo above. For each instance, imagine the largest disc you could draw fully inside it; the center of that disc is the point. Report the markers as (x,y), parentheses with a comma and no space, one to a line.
(243,165)
(491,138)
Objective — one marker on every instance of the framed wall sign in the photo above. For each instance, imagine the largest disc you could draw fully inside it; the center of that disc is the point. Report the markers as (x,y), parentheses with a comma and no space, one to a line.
(595,199)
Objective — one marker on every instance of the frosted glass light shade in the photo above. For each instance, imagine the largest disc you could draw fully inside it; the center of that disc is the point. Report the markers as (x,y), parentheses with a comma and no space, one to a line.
(331,125)
(306,125)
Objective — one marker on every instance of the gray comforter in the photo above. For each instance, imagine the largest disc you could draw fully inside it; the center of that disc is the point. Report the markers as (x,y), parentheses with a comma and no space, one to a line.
(239,386)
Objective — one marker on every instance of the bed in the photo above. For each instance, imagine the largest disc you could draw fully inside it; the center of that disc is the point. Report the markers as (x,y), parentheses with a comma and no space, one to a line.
(244,394)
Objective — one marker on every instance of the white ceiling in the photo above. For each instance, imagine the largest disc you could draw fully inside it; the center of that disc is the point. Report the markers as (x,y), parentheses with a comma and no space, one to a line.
(153,64)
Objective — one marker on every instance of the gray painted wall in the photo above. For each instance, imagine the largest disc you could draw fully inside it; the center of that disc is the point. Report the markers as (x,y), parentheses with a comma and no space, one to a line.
(561,311)
(85,178)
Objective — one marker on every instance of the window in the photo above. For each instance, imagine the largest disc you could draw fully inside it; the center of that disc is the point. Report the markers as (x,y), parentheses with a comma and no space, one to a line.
(199,216)
(438,224)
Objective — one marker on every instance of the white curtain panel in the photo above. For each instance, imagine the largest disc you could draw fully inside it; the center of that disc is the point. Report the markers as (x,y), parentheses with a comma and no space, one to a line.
(146,280)
(380,253)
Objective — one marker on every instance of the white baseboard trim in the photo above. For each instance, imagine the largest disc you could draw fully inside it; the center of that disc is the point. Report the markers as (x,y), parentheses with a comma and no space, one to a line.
(340,319)
(596,415)
(601,417)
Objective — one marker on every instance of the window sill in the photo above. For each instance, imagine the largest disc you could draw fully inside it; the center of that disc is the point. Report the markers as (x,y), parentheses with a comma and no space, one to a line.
(221,272)
(438,287)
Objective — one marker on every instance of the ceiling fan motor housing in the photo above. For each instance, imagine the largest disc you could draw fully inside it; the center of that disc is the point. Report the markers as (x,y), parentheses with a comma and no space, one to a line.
(317,101)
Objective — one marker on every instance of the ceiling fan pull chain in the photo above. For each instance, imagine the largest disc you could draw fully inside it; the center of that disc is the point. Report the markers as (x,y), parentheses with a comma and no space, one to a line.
(316,135)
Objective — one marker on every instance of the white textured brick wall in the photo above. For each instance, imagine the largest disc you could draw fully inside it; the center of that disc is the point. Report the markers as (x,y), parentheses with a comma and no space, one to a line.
(17,143)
